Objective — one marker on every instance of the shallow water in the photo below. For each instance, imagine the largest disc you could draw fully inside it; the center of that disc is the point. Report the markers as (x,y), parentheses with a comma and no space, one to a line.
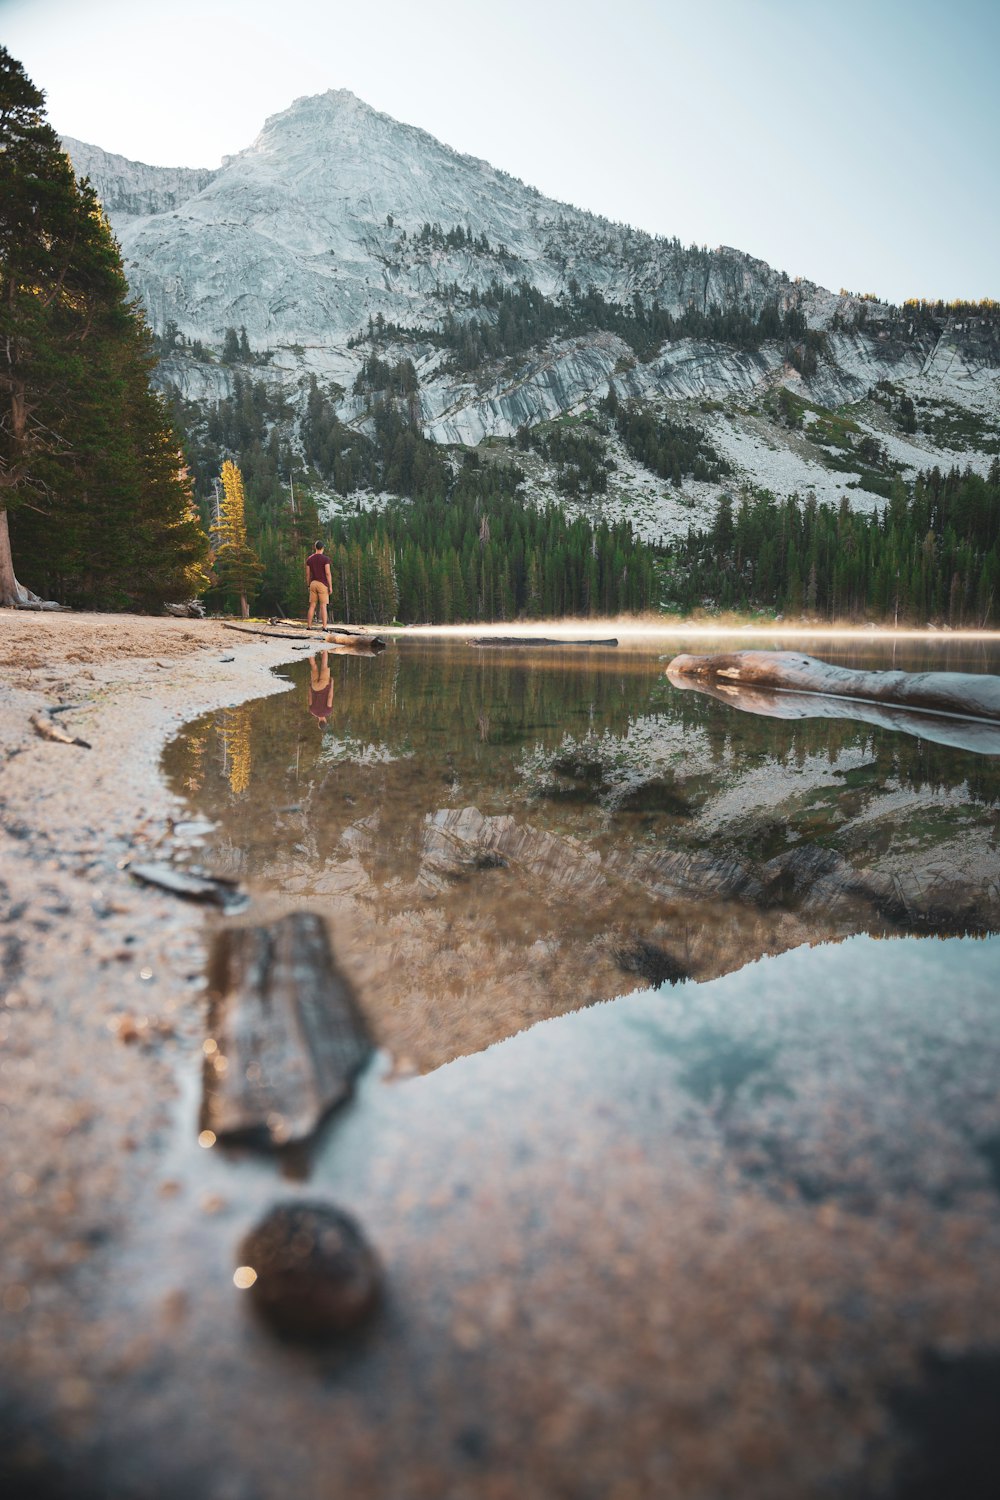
(708,1235)
(500,835)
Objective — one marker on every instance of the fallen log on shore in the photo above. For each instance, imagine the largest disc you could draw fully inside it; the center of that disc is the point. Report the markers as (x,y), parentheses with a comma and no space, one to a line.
(369,645)
(351,639)
(962,695)
(535,640)
(303,629)
(286,1036)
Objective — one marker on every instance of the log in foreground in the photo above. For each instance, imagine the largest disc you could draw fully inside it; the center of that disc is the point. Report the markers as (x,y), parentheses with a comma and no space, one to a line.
(960,694)
(286,1037)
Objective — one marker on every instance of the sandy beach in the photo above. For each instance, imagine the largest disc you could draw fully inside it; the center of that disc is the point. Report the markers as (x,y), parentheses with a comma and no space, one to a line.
(97,975)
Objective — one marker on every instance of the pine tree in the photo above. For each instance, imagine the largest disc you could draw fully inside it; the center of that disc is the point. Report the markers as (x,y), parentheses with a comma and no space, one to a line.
(236,563)
(46,279)
(90,469)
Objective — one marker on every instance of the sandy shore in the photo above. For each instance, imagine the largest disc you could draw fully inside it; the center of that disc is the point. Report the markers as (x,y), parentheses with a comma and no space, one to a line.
(98,976)
(610,1272)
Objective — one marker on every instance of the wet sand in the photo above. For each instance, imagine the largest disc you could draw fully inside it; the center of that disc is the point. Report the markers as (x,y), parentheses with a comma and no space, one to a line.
(610,1270)
(100,987)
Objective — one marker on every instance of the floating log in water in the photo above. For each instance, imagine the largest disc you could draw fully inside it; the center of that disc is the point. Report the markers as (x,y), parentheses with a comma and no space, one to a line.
(193,885)
(982,736)
(535,640)
(959,694)
(286,1035)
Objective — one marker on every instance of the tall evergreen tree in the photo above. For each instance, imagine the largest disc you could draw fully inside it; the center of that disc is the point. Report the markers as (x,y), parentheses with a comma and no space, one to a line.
(100,508)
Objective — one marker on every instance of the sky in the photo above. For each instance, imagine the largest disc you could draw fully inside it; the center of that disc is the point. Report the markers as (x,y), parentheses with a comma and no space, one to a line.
(853,142)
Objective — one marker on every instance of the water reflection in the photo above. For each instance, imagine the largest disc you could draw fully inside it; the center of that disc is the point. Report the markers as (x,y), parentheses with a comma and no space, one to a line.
(320,697)
(496,839)
(978,735)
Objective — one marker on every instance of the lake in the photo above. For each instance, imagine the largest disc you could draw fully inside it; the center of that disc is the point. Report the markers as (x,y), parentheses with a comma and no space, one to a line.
(732,1233)
(502,835)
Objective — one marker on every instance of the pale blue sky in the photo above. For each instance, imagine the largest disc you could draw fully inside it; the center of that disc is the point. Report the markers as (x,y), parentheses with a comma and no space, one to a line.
(854,143)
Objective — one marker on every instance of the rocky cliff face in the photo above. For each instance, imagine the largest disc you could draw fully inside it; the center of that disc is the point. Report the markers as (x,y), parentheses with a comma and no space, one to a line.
(130,189)
(318,227)
(315,226)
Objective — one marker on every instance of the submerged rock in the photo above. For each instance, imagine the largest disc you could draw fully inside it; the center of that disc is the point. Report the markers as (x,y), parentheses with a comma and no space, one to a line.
(308,1271)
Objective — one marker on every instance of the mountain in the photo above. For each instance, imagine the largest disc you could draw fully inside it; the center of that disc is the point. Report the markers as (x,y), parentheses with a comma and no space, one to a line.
(341,233)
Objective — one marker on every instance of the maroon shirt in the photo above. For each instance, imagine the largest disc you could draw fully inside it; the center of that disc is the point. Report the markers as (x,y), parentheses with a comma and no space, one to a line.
(321,701)
(317,563)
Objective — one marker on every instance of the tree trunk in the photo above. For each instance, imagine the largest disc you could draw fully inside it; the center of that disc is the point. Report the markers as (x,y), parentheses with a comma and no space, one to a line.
(244,607)
(14,595)
(10,589)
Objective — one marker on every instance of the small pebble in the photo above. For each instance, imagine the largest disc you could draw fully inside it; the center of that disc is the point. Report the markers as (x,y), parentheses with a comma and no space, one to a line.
(314,1277)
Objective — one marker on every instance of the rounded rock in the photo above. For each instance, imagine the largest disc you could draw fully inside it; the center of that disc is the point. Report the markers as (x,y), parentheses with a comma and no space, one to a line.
(316,1275)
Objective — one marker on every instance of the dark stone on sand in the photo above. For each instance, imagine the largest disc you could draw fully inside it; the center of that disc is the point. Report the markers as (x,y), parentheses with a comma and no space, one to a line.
(316,1275)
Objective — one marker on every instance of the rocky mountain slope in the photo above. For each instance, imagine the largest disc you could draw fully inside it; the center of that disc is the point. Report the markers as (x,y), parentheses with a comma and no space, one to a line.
(340,232)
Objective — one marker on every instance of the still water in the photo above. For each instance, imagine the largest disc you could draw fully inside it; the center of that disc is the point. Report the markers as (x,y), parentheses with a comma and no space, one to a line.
(499,836)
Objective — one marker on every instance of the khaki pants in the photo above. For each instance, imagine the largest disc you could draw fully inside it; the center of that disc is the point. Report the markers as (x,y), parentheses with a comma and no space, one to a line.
(318,593)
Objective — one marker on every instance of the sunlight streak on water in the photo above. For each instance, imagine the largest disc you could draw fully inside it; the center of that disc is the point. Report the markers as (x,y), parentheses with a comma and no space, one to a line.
(637,629)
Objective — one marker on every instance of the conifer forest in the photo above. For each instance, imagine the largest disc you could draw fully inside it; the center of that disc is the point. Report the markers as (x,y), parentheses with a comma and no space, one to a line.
(96,507)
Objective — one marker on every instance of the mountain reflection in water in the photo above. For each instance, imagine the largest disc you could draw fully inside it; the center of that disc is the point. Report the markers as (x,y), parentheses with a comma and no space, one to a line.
(500,837)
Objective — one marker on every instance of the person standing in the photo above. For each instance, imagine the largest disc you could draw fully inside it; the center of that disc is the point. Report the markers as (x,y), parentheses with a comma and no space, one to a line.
(319,581)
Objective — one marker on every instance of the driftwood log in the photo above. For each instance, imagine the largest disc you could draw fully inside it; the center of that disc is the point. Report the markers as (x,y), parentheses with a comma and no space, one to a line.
(286,1035)
(534,640)
(352,640)
(979,735)
(48,731)
(192,610)
(959,694)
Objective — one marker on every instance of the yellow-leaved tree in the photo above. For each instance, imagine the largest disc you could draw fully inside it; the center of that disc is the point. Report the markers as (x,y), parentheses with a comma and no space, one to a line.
(237,566)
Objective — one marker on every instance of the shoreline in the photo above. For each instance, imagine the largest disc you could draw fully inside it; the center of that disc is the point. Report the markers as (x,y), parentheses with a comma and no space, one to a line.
(101,981)
(587,1273)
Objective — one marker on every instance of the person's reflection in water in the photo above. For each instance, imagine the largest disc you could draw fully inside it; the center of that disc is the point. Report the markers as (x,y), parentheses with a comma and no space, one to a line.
(320,687)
